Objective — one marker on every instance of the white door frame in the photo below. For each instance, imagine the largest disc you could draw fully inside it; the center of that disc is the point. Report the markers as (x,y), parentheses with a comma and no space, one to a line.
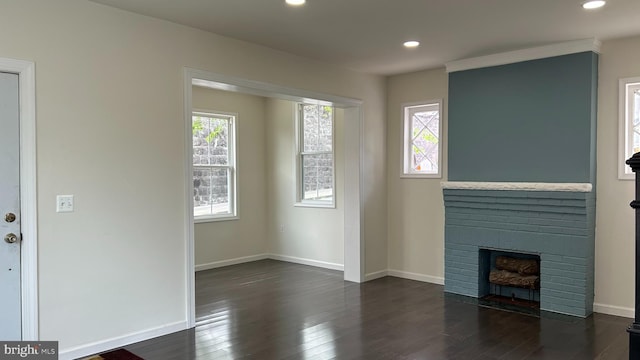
(353,201)
(28,199)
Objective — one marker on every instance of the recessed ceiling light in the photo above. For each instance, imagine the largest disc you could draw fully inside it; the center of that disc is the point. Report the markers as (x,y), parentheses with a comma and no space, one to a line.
(411,43)
(594,4)
(295,2)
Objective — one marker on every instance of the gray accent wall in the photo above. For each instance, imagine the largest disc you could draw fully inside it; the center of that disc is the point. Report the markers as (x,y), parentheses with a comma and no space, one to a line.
(531,121)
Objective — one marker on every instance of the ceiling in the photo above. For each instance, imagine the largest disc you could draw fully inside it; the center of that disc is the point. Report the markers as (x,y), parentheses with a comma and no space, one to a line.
(367,35)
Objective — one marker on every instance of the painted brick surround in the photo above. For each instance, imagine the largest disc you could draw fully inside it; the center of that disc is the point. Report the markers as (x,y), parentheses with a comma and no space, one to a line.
(557,225)
(521,170)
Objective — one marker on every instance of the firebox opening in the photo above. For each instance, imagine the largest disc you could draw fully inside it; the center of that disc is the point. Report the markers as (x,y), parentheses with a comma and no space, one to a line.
(509,280)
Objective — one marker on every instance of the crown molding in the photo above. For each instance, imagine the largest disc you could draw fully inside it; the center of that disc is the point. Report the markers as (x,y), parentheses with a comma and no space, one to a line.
(541,52)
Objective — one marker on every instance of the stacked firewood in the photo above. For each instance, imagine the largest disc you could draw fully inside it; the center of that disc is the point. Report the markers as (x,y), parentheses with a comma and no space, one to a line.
(523,273)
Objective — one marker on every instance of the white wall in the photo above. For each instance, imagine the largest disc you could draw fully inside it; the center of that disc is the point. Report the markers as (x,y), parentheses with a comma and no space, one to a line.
(224,240)
(109,119)
(615,239)
(415,206)
(315,234)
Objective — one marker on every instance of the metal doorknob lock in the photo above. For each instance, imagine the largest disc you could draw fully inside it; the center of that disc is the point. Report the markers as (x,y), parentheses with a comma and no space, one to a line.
(10,217)
(11,238)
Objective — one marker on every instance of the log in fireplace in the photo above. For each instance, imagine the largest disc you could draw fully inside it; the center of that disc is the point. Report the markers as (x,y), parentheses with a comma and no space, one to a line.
(511,271)
(510,280)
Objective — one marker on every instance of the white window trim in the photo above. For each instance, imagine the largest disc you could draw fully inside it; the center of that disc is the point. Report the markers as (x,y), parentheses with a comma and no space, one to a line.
(300,202)
(233,185)
(406,139)
(625,135)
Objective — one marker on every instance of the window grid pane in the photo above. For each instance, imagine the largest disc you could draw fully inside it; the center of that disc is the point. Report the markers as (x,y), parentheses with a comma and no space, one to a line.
(325,128)
(210,141)
(317,177)
(212,165)
(211,191)
(317,128)
(316,153)
(424,144)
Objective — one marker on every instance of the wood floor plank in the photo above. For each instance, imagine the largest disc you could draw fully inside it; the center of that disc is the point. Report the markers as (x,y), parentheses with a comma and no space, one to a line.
(276,310)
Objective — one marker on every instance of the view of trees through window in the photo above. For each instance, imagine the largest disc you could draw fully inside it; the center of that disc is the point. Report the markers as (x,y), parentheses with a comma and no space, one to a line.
(316,152)
(212,164)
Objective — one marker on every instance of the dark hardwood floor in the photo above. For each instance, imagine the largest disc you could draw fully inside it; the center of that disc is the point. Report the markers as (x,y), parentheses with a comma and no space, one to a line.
(277,310)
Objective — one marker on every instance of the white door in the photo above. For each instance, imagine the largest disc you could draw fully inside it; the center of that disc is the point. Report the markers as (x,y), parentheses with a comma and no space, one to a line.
(10,316)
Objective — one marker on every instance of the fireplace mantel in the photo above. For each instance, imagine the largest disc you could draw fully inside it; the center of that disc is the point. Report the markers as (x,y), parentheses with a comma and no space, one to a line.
(517,186)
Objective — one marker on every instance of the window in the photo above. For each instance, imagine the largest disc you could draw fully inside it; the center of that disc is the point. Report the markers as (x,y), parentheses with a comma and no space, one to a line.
(315,160)
(629,124)
(421,140)
(214,165)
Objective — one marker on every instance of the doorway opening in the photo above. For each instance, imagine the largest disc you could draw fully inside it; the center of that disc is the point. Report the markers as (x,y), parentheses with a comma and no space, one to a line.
(352,110)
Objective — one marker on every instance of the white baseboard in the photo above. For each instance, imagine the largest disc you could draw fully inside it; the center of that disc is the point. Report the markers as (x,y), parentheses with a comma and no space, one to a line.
(404,275)
(120,341)
(376,275)
(418,277)
(303,261)
(614,310)
(240,260)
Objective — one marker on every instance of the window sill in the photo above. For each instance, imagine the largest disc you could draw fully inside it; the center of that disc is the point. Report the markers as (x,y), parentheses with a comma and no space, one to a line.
(318,205)
(207,219)
(421,176)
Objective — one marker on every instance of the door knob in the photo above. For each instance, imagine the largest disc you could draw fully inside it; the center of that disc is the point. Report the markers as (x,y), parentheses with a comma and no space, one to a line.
(10,217)
(11,238)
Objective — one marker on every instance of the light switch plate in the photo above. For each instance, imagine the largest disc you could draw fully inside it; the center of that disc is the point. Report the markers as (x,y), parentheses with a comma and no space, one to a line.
(64,203)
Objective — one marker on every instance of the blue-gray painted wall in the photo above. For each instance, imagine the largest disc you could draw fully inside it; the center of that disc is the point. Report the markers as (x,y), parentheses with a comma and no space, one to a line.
(532,121)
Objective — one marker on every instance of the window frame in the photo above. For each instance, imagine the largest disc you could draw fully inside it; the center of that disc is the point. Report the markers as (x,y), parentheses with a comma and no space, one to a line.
(232,179)
(625,125)
(299,153)
(406,152)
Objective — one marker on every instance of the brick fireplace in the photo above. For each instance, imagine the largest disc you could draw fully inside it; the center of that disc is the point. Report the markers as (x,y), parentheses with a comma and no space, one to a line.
(554,221)
(521,149)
